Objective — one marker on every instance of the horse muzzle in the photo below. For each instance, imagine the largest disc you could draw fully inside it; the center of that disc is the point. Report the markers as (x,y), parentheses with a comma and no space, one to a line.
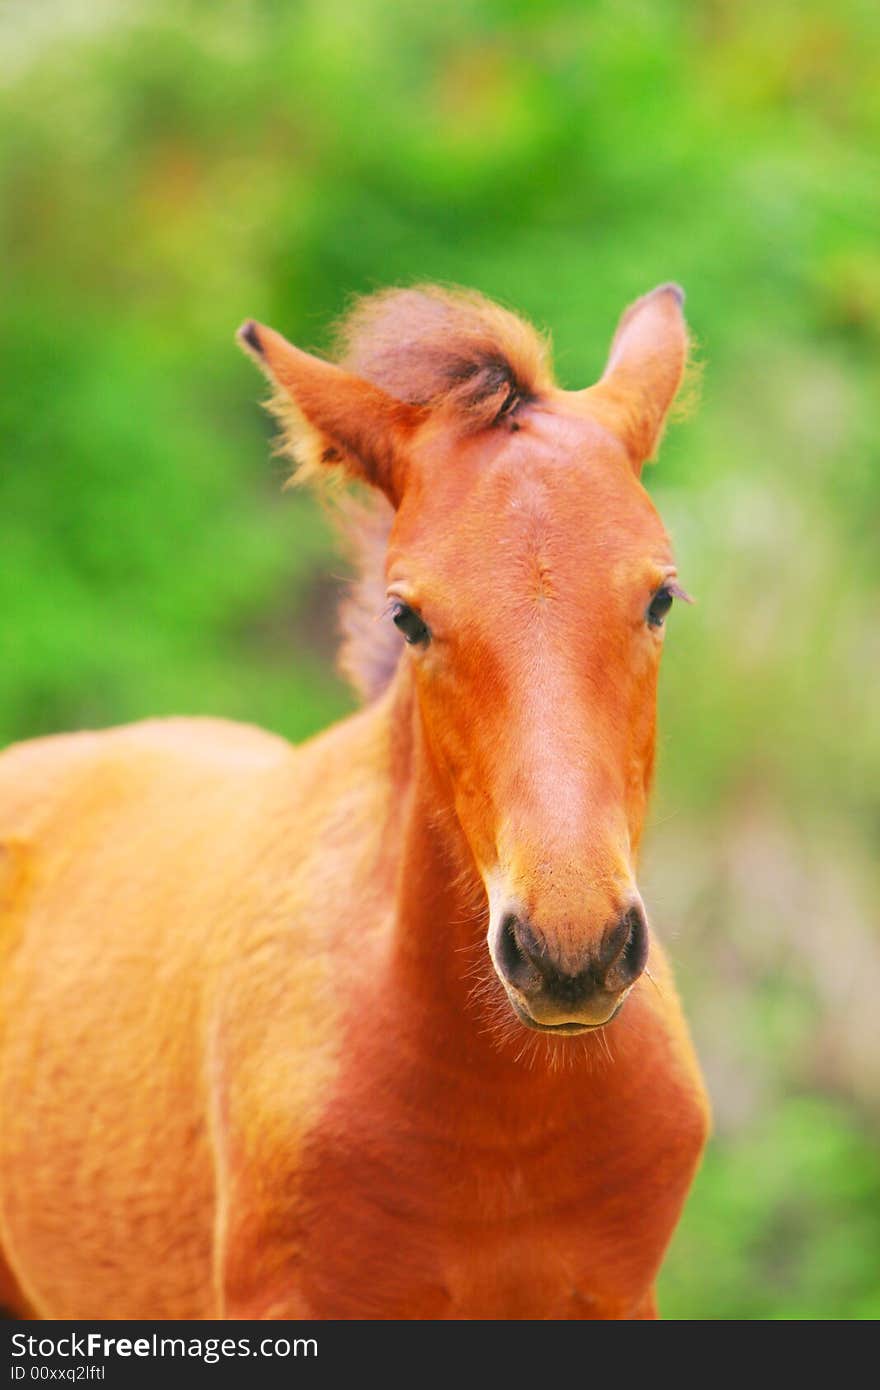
(561,995)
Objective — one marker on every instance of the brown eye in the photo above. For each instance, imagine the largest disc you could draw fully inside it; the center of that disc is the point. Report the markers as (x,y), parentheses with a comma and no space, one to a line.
(407,621)
(658,607)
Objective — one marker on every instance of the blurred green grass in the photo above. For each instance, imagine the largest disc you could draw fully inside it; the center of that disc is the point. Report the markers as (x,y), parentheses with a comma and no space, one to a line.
(168,169)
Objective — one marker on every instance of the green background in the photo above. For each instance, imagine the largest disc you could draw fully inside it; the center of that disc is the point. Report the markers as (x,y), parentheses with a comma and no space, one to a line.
(168,169)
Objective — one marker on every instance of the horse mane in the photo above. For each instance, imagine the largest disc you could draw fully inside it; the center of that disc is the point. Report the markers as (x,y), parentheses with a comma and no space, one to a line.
(446,349)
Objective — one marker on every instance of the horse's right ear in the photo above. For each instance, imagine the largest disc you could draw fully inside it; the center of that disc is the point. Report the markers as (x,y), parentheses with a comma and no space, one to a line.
(331,416)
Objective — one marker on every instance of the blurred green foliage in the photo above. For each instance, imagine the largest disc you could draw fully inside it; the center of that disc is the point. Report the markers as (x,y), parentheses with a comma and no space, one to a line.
(170,168)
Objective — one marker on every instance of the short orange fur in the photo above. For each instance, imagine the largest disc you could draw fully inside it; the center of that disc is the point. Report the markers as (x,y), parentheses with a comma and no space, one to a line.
(255,1060)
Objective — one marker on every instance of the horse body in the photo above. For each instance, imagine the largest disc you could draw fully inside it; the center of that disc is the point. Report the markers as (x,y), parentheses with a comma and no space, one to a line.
(254,1059)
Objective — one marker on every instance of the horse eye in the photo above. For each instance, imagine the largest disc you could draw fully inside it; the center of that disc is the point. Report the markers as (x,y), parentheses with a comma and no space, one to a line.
(410,624)
(658,607)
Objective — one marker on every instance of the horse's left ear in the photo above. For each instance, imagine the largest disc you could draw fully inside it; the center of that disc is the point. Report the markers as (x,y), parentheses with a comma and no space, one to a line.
(330,416)
(644,371)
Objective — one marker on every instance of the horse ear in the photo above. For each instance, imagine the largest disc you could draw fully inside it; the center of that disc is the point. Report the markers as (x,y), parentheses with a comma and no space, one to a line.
(331,416)
(644,371)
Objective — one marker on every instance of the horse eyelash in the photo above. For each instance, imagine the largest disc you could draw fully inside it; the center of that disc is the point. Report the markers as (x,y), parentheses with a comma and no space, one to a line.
(389,606)
(677,591)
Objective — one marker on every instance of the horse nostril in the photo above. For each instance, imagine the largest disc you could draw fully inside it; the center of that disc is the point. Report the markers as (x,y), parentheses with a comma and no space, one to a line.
(508,952)
(514,952)
(626,950)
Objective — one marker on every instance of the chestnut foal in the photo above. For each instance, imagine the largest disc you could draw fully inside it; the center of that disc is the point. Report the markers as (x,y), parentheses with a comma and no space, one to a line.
(361,1029)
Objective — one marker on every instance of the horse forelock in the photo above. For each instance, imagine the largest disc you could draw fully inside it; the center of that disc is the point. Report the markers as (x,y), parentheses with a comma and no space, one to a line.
(432,346)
